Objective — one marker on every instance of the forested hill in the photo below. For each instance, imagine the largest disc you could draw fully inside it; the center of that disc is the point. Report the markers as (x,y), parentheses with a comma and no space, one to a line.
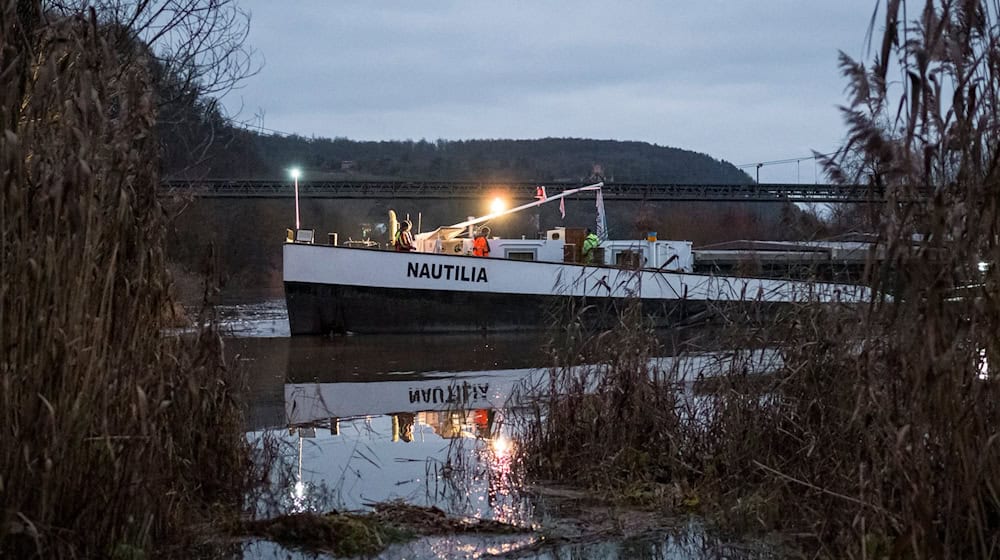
(244,154)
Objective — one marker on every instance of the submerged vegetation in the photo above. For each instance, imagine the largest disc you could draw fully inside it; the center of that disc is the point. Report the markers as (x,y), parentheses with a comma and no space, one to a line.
(879,435)
(366,534)
(117,439)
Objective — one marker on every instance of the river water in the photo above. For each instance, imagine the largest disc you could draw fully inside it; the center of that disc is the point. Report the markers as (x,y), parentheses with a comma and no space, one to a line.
(352,421)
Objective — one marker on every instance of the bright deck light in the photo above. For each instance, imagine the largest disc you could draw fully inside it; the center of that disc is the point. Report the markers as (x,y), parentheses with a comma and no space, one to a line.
(498,205)
(295,177)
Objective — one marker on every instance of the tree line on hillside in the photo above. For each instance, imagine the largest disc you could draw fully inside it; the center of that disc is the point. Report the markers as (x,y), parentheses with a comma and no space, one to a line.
(199,142)
(546,159)
(243,154)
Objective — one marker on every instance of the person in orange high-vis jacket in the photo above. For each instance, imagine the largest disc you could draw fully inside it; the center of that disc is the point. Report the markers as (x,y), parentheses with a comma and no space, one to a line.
(480,246)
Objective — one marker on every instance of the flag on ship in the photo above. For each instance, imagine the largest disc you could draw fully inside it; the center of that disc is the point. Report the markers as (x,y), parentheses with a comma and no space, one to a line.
(540,193)
(602,221)
(562,207)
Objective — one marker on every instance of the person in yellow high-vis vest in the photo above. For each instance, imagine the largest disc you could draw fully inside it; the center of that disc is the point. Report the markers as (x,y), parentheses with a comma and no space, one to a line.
(590,242)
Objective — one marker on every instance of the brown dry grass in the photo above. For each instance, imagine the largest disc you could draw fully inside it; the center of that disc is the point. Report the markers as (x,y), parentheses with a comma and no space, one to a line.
(605,422)
(880,435)
(114,436)
(877,437)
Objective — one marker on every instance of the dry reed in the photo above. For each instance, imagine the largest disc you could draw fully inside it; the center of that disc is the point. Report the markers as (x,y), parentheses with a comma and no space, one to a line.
(880,435)
(115,437)
(604,414)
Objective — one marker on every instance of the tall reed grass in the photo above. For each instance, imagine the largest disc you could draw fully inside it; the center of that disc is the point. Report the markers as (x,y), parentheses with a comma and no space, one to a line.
(604,411)
(879,437)
(873,437)
(115,438)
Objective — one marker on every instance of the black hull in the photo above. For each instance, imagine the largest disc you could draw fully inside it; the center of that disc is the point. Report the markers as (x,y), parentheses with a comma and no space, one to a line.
(324,309)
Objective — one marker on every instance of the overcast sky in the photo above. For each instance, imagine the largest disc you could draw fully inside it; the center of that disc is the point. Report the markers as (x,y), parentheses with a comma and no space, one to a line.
(742,81)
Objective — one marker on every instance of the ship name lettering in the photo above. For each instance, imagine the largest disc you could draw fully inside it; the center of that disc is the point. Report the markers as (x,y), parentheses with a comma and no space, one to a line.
(457,272)
(466,393)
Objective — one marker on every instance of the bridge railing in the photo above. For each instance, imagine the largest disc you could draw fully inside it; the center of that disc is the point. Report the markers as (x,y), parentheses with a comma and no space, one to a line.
(227,188)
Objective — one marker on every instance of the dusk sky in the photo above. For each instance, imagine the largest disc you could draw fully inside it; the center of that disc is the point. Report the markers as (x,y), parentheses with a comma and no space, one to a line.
(740,81)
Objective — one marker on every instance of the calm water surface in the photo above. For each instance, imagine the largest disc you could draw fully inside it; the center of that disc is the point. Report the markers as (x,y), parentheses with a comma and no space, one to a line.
(422,419)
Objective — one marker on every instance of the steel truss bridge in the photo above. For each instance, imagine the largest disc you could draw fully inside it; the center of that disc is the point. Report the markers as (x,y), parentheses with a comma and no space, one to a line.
(225,188)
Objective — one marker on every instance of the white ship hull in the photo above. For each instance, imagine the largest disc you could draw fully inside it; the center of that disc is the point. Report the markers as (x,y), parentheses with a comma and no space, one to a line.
(341,289)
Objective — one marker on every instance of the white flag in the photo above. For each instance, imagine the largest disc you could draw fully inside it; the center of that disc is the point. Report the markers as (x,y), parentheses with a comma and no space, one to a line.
(602,222)
(562,207)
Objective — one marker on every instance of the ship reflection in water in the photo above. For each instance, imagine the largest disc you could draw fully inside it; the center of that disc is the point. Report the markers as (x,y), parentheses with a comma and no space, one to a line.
(421,419)
(418,419)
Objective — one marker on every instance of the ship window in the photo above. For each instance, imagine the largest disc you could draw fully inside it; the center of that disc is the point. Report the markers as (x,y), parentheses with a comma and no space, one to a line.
(521,255)
(628,259)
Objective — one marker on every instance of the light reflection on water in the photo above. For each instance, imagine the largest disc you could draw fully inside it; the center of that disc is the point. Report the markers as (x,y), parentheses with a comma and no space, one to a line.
(372,419)
(420,419)
(449,462)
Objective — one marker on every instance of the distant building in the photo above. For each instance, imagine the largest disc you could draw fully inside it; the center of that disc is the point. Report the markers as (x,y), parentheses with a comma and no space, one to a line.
(347,165)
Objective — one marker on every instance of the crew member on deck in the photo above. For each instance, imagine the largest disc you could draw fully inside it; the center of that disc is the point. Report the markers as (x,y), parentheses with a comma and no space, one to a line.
(404,239)
(590,242)
(480,245)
